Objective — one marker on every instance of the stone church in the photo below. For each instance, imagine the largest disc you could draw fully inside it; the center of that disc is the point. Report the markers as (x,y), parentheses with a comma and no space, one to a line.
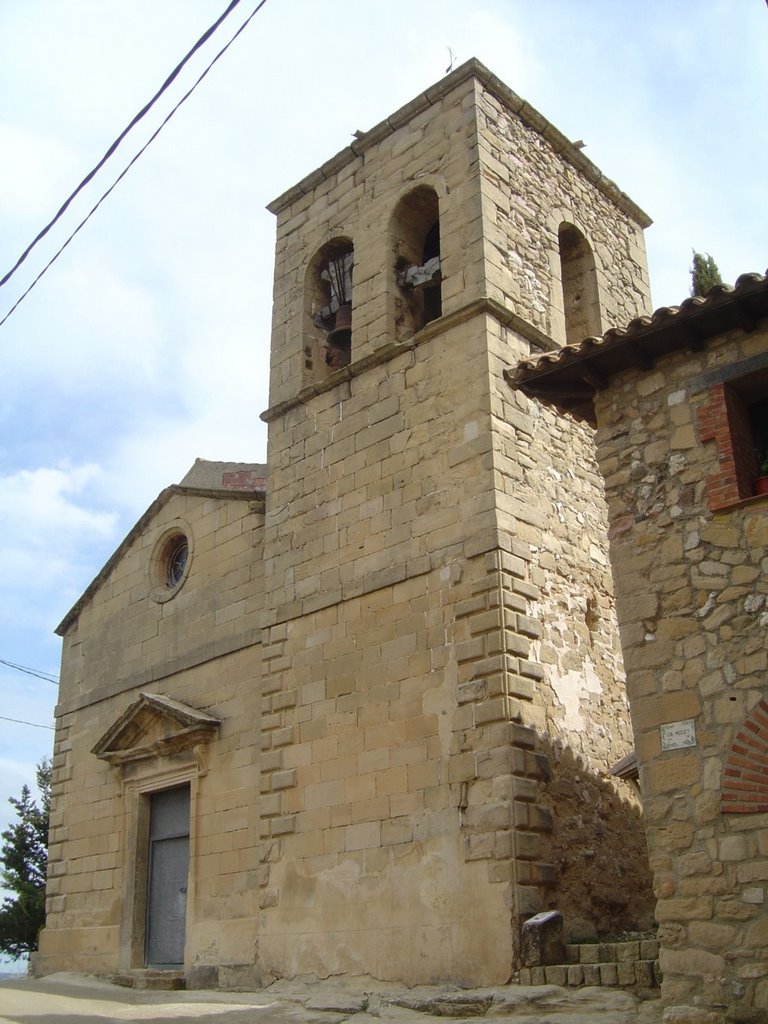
(354,711)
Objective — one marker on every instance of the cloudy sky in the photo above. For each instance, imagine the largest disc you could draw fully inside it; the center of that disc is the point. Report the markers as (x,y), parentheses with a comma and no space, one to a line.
(146,344)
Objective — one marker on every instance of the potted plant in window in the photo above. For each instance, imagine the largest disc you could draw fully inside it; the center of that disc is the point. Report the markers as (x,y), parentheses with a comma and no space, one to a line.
(761,484)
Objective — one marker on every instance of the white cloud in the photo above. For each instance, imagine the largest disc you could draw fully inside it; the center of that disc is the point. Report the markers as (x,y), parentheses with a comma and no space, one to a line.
(41,501)
(33,183)
(50,526)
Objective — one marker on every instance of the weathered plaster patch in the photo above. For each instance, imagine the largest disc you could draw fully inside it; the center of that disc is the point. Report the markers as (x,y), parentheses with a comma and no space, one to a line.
(569,688)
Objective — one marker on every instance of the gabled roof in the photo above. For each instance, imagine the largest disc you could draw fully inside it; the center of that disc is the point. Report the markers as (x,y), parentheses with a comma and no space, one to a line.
(152,725)
(231,480)
(245,477)
(472,68)
(568,377)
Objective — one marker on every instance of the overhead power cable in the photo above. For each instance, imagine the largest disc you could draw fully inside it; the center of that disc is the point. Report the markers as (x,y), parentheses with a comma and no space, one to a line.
(143,149)
(144,110)
(20,721)
(47,676)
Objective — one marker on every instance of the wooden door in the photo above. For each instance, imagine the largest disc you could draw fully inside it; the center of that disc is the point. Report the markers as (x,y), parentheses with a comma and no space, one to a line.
(168,877)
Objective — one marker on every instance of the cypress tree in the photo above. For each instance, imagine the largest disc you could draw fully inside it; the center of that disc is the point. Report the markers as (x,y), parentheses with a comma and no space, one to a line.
(24,856)
(704,273)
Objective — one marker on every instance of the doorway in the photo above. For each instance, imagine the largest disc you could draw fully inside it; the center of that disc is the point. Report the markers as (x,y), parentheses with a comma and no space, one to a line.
(168,863)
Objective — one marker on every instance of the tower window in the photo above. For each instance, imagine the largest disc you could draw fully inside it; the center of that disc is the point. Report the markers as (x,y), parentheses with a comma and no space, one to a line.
(418,269)
(328,345)
(581,304)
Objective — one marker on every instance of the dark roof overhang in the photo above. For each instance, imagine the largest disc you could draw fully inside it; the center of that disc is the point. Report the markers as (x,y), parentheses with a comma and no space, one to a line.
(626,767)
(569,377)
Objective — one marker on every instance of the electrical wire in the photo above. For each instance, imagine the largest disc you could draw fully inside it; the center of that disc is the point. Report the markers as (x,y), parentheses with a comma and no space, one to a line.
(144,110)
(120,177)
(47,676)
(20,721)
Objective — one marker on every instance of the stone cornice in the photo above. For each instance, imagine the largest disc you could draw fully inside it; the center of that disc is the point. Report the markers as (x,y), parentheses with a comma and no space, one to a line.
(471,69)
(191,659)
(384,353)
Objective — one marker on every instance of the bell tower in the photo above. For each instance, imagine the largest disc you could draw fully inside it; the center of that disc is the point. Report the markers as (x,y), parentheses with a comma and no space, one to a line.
(441,658)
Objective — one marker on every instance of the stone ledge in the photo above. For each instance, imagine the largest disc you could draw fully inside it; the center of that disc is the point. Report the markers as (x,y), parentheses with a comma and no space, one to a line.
(194,657)
(147,978)
(612,952)
(483,306)
(631,964)
(632,974)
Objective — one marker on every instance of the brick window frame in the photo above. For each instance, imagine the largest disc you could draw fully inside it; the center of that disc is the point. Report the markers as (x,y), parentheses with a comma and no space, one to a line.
(744,788)
(727,419)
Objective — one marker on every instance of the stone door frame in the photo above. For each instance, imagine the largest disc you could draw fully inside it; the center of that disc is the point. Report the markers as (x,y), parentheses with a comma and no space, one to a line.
(136,802)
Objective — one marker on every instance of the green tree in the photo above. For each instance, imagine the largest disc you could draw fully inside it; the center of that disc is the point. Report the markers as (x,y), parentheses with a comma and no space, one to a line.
(704,273)
(24,856)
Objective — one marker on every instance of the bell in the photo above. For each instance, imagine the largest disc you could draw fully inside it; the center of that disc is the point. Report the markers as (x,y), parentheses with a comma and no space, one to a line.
(341,335)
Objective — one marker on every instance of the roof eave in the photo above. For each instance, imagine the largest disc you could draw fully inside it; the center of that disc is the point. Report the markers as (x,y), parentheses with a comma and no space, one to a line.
(570,378)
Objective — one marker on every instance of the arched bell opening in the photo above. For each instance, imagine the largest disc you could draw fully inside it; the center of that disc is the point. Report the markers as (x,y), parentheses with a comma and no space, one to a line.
(581,304)
(415,236)
(328,309)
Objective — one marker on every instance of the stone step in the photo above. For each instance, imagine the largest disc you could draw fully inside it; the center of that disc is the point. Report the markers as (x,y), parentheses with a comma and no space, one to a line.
(146,978)
(633,974)
(612,952)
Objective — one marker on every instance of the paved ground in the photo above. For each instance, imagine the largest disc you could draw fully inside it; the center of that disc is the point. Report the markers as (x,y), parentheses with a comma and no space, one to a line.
(76,999)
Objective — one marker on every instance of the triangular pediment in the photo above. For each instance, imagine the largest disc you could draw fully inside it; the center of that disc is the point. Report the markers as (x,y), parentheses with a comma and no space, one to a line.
(207,481)
(154,725)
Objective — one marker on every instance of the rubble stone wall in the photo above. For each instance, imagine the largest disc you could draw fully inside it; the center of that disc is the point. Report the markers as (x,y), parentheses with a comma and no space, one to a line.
(550,494)
(529,189)
(691,592)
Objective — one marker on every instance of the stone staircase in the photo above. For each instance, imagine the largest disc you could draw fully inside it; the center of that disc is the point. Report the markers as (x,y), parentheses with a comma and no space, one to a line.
(631,964)
(147,978)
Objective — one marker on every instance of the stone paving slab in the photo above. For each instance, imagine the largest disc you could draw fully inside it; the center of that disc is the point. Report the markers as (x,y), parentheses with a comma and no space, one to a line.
(77,999)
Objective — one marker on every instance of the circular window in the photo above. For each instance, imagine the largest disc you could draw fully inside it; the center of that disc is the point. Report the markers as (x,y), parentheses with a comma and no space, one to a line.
(170,563)
(176,560)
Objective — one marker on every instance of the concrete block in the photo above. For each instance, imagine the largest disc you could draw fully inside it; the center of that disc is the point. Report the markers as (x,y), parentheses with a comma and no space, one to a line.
(541,940)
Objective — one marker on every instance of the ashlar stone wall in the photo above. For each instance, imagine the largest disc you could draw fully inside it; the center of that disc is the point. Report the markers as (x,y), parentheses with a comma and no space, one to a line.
(691,592)
(424,697)
(201,648)
(124,634)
